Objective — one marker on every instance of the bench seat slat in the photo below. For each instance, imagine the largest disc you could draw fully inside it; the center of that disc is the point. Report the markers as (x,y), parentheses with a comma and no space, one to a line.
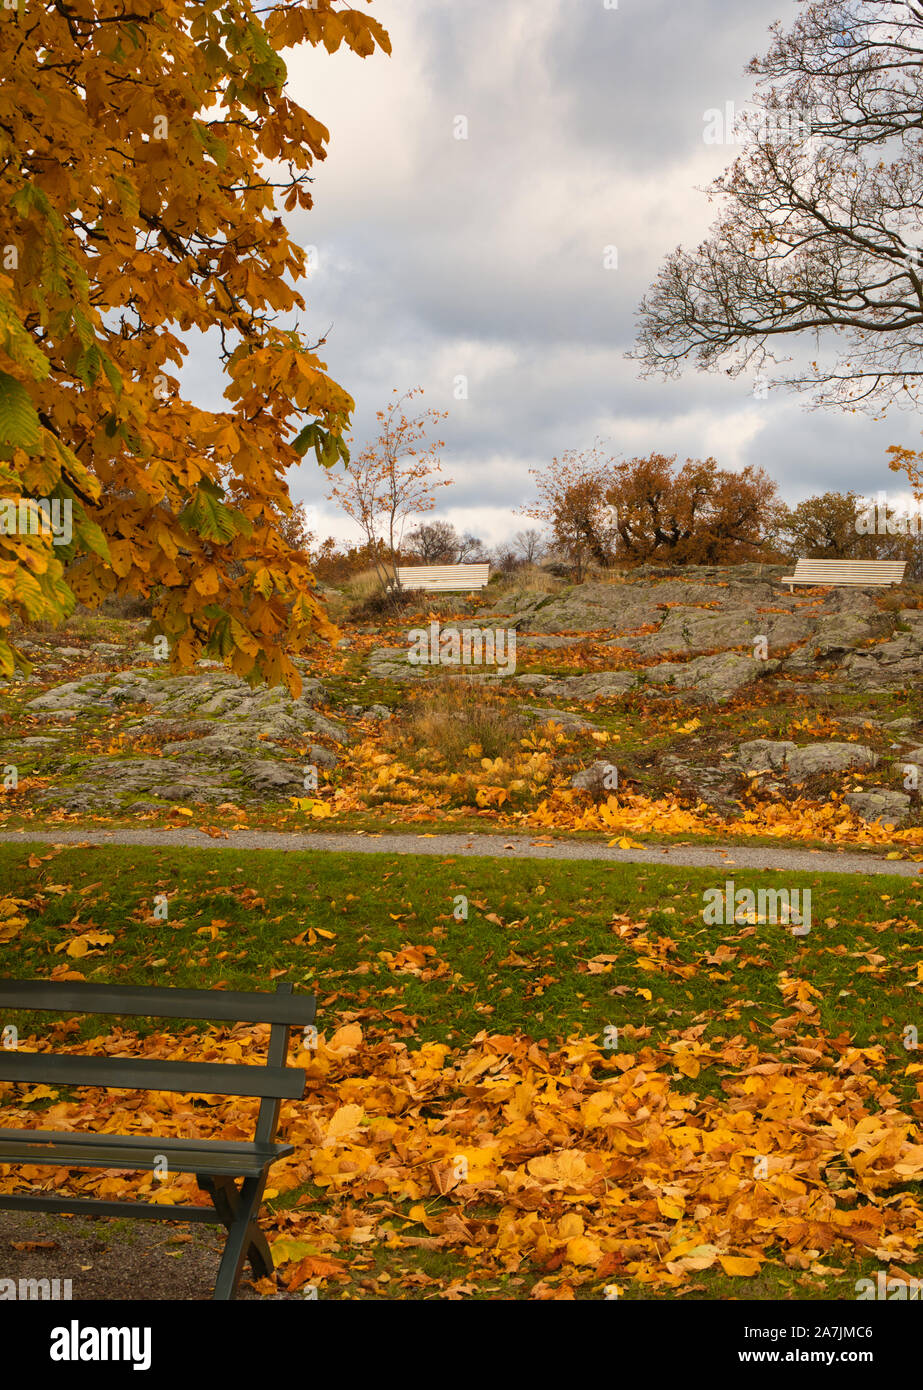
(157,1001)
(53,1149)
(445,578)
(128,1073)
(861,573)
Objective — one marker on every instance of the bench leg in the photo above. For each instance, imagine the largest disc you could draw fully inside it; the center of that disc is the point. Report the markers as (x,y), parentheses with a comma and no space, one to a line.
(238,1209)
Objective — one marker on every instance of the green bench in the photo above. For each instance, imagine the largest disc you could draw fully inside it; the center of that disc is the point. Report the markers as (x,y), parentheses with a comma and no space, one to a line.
(219,1165)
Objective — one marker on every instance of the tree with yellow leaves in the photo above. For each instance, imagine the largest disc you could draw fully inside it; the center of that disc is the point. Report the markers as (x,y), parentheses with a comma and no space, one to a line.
(144,149)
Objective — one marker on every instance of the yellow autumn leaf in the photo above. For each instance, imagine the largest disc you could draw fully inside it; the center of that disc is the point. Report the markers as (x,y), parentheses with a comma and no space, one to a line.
(38,1093)
(581,1250)
(742,1266)
(595,1108)
(284,1251)
(344,1122)
(346,1039)
(79,946)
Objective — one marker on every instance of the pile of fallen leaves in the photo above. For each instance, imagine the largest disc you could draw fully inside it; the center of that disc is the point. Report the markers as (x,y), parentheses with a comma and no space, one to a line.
(565,1167)
(831,821)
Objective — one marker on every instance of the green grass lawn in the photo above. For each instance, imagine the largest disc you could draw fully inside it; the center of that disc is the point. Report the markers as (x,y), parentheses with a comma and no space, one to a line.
(519,961)
(549,949)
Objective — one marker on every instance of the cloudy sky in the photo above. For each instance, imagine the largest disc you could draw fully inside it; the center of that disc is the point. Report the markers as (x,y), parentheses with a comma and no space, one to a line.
(485,257)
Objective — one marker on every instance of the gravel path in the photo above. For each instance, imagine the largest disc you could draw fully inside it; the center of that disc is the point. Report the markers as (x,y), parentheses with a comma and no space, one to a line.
(109,1259)
(495,846)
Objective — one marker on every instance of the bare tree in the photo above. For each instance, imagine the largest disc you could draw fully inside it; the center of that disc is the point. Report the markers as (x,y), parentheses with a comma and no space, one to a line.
(435,542)
(469,548)
(530,544)
(506,559)
(818,236)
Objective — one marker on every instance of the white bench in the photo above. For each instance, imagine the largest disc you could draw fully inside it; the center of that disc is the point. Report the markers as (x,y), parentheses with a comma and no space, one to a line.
(443,578)
(862,573)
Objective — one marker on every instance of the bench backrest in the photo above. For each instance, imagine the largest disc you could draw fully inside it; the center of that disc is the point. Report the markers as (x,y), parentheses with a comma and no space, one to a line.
(272,1082)
(446,578)
(852,571)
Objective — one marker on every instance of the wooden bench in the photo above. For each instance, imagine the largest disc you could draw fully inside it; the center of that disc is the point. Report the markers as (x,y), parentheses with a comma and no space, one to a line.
(865,574)
(443,578)
(217,1164)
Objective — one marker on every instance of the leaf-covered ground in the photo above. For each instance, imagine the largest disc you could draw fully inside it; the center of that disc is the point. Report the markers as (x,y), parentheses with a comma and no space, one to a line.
(583,1087)
(677,762)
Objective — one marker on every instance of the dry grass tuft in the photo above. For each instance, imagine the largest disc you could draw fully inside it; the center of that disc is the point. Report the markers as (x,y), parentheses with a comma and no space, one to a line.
(449,716)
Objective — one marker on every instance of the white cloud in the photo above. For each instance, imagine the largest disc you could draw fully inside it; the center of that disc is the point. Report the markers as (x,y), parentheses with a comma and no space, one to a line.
(484,256)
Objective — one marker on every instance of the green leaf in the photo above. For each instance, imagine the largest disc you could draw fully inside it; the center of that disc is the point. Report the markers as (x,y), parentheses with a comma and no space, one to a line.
(90,537)
(211,143)
(306,439)
(19,422)
(209,517)
(17,343)
(112,374)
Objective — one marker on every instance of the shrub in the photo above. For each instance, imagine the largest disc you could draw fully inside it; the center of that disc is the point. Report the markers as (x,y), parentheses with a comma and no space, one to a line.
(451,716)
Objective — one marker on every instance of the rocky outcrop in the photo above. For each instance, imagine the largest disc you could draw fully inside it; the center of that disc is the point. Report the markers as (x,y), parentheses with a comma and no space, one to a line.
(764,755)
(880,804)
(217,734)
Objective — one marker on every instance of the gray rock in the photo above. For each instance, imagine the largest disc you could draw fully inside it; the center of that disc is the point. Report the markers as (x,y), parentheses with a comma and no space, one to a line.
(534,682)
(179,791)
(218,747)
(321,757)
(880,804)
(378,712)
(537,641)
(320,724)
(173,728)
(565,717)
(594,685)
(716,678)
(70,696)
(600,778)
(914,756)
(762,754)
(268,776)
(703,630)
(829,757)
